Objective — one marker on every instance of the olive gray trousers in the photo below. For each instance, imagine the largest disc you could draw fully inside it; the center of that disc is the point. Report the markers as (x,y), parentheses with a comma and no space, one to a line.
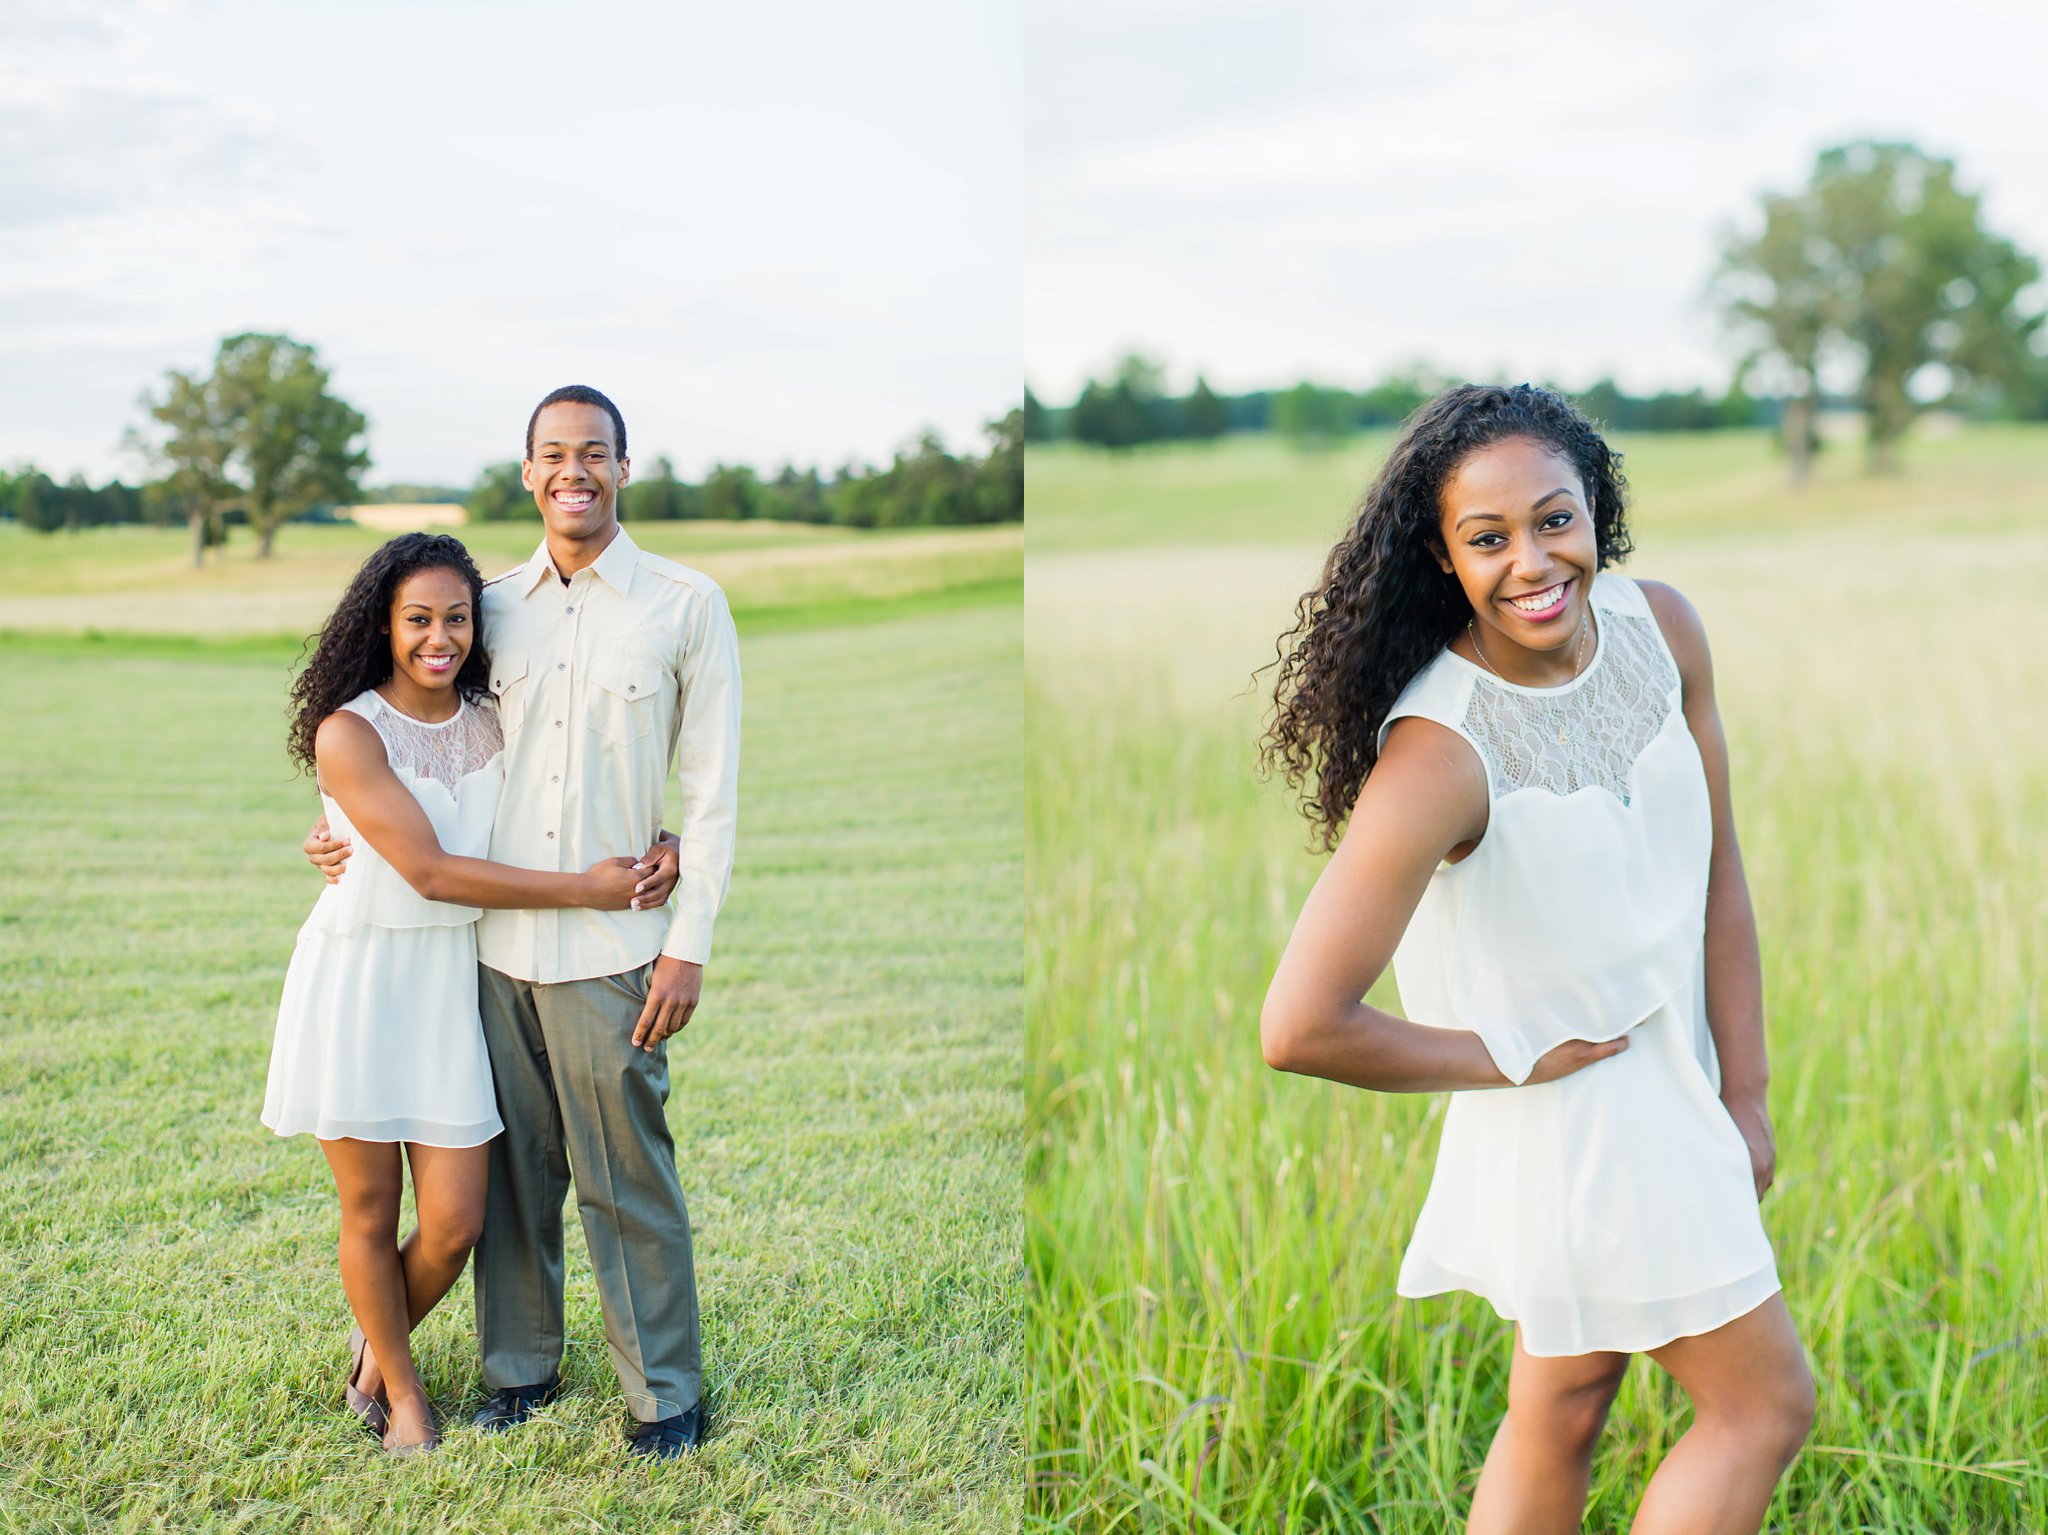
(578,1098)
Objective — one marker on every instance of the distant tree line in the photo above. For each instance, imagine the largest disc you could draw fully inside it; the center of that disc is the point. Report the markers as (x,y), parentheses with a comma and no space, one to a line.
(260,439)
(1876,287)
(924,485)
(1130,408)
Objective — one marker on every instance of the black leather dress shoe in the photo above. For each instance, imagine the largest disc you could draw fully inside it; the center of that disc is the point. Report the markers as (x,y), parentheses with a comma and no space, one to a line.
(669,1437)
(514,1405)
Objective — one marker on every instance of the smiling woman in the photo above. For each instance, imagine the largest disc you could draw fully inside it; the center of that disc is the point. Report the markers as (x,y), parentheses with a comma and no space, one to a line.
(1519,759)
(379,1051)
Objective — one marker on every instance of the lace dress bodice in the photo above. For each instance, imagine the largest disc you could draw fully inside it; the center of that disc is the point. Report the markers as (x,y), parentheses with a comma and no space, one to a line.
(444,752)
(1583,907)
(456,770)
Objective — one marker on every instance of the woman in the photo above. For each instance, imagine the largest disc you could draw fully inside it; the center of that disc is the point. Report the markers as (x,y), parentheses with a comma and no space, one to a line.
(1531,765)
(379,1051)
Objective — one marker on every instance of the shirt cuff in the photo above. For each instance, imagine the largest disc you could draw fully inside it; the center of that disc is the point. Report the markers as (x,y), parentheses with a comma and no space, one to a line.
(689,939)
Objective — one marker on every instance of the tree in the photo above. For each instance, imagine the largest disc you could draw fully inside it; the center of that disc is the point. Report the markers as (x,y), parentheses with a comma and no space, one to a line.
(499,495)
(1936,295)
(1203,416)
(1883,260)
(999,480)
(1310,416)
(1037,421)
(193,456)
(261,431)
(730,493)
(656,498)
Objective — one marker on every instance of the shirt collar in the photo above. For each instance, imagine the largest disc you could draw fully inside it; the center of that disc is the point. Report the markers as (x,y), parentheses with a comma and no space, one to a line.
(615,566)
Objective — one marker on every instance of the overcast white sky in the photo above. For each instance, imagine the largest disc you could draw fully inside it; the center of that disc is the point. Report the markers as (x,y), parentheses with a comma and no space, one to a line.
(1272,189)
(769,231)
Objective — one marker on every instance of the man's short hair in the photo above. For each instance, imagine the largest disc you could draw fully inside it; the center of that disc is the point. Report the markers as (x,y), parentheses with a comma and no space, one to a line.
(579,394)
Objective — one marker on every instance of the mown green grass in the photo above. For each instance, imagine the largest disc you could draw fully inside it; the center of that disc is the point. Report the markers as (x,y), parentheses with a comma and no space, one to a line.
(1213,1333)
(141,580)
(844,1106)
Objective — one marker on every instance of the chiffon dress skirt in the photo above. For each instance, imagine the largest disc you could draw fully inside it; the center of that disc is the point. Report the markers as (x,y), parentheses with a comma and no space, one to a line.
(378,1035)
(385,1043)
(1609,1210)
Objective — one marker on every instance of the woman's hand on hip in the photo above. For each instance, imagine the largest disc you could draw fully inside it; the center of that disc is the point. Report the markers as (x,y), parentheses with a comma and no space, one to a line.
(1573,1055)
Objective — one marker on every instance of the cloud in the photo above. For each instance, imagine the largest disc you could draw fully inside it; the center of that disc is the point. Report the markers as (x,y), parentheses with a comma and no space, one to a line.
(79,147)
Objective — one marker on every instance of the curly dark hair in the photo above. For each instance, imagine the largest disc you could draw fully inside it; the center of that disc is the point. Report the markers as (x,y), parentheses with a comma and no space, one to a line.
(352,651)
(1385,607)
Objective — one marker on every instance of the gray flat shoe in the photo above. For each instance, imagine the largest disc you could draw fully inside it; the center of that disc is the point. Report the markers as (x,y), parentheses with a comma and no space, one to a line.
(367,1408)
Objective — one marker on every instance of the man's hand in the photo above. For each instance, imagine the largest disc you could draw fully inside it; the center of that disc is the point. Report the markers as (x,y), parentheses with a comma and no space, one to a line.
(660,861)
(1754,1121)
(325,854)
(672,994)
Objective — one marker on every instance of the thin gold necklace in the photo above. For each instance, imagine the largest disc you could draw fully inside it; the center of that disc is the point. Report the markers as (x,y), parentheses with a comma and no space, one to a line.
(1578,664)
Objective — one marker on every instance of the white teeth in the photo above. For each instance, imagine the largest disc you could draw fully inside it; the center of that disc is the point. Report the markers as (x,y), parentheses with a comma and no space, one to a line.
(1540,601)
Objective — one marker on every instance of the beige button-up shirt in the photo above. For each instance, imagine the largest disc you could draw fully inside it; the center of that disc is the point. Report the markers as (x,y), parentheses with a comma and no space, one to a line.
(597,682)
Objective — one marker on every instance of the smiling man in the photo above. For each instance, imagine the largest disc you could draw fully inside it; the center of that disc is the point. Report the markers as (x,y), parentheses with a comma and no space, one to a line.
(608,664)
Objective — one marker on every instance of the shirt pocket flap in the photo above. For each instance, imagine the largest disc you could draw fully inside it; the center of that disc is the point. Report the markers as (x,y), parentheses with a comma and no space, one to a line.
(506,670)
(631,675)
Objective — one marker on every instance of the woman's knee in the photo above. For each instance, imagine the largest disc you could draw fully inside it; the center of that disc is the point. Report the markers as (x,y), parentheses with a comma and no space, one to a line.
(1777,1412)
(451,1233)
(1567,1414)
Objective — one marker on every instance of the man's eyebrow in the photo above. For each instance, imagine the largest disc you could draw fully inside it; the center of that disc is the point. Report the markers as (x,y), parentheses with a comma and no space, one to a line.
(594,442)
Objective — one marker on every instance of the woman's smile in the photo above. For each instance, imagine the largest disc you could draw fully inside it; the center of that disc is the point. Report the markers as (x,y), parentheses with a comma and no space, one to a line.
(1544,606)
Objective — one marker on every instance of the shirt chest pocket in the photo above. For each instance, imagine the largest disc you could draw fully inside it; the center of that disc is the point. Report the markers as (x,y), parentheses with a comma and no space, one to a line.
(624,688)
(509,686)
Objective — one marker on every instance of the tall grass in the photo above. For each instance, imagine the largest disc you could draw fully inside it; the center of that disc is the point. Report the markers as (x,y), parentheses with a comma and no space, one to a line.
(1213,1332)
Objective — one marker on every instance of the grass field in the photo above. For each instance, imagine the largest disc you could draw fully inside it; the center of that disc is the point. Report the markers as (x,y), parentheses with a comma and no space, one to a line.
(141,580)
(845,1104)
(1212,1330)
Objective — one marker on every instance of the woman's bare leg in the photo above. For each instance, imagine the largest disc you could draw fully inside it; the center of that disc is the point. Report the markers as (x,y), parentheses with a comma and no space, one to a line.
(1752,1404)
(370,1178)
(448,1195)
(1536,1473)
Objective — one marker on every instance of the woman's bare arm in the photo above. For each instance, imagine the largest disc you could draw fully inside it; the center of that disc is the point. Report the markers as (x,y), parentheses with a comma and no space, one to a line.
(1426,798)
(354,769)
(1735,983)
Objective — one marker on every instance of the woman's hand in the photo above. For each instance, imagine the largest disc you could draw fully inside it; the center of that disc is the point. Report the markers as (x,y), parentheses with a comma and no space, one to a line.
(659,881)
(1753,1119)
(324,853)
(1573,1055)
(609,883)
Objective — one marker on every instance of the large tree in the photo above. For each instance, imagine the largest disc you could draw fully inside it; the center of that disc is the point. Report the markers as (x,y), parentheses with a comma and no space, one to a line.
(260,432)
(1884,260)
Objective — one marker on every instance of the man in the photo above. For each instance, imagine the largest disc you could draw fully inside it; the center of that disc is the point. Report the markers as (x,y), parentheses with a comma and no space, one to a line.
(604,659)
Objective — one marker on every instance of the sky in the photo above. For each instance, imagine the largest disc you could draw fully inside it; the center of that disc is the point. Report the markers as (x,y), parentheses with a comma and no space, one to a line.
(1267,190)
(777,232)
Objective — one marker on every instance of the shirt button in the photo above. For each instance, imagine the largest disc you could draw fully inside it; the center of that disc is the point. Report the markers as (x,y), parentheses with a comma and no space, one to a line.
(558,724)
(568,610)
(551,836)
(630,688)
(561,666)
(556,779)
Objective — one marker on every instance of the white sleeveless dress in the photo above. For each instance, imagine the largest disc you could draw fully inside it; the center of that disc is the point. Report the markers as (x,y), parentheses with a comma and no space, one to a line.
(1613,1209)
(378,1037)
